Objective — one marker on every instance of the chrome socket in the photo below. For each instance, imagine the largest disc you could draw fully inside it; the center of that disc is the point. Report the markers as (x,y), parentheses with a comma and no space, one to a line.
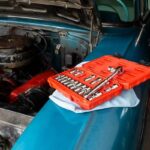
(62,78)
(89,78)
(111,69)
(68,82)
(78,89)
(72,85)
(98,94)
(115,86)
(76,86)
(72,82)
(112,88)
(75,83)
(108,89)
(96,81)
(65,80)
(73,71)
(76,72)
(84,91)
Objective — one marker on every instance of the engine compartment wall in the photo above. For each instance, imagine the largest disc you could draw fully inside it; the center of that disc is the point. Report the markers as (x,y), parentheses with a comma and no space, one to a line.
(26,52)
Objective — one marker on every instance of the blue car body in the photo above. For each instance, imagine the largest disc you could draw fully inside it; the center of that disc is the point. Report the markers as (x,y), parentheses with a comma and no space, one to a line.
(55,128)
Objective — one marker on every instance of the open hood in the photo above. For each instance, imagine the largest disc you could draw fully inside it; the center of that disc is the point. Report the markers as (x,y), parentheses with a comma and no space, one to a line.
(78,12)
(77,4)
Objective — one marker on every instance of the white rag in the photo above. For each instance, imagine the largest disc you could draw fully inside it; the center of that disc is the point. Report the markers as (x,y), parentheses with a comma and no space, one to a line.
(127,98)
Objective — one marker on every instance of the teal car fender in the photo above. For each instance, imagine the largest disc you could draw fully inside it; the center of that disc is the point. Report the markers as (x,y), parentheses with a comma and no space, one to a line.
(55,128)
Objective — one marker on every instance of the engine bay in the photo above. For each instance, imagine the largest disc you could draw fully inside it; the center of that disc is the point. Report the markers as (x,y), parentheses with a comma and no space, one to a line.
(27,58)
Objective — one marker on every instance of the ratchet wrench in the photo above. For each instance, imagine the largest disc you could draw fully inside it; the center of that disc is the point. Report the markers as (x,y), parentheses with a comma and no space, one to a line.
(117,71)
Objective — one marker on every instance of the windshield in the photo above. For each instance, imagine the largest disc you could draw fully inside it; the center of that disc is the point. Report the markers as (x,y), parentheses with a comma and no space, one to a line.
(116,10)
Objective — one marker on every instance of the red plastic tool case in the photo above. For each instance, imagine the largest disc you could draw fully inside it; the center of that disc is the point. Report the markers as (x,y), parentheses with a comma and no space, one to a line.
(133,74)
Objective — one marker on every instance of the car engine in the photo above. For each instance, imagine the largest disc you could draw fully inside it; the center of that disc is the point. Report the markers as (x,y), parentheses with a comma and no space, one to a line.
(27,58)
(18,56)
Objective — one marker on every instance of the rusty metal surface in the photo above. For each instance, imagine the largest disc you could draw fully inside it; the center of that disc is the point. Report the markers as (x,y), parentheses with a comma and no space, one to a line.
(77,4)
(14,42)
(15,51)
(48,10)
(12,125)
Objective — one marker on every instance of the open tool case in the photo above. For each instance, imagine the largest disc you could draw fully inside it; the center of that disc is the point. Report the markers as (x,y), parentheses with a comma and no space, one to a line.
(99,80)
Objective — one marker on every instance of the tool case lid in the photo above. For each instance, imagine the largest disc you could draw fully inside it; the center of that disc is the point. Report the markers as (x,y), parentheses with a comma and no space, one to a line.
(133,73)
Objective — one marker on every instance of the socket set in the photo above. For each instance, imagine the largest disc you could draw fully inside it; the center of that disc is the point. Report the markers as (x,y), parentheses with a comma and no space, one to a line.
(99,80)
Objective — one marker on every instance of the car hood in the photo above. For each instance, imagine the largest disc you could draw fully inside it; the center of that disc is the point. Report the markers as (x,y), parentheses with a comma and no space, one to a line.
(78,12)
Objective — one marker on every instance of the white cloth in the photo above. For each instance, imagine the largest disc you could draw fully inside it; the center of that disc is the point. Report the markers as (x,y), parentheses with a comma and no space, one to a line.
(125,99)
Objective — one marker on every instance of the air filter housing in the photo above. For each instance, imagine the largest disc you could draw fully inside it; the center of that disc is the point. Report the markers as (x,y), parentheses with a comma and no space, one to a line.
(15,51)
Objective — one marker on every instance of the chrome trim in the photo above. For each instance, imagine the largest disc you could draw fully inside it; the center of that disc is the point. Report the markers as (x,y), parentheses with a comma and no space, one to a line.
(42,18)
(84,29)
(33,10)
(55,3)
(6,8)
(121,25)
